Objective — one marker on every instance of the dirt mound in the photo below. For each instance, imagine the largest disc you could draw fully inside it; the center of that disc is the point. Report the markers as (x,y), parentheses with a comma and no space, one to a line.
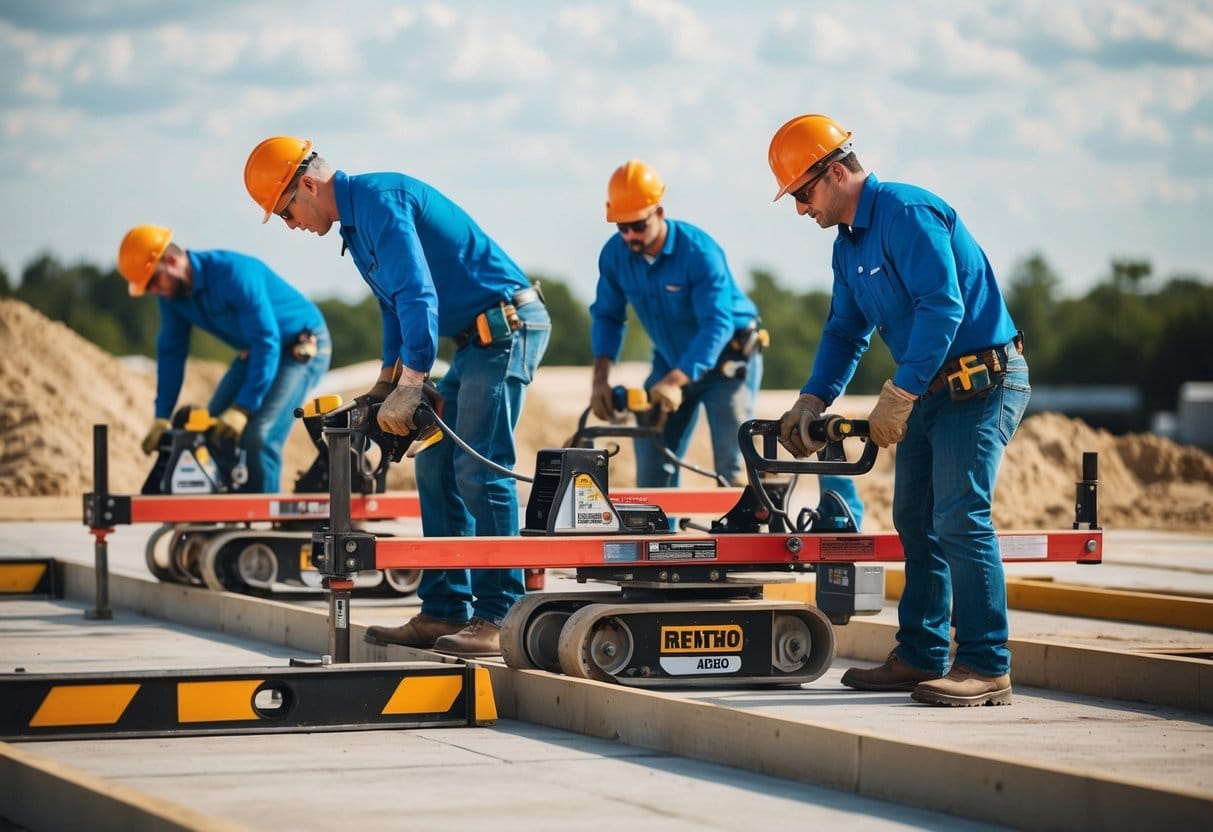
(56,385)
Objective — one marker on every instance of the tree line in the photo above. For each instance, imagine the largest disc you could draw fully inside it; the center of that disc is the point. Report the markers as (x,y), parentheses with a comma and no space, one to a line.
(1124,331)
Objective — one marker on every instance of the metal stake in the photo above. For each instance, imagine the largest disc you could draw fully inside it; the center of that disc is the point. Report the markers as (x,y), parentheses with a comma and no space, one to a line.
(102,611)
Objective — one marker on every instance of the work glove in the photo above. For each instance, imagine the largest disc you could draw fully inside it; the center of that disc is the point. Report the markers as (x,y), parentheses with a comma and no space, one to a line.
(602,400)
(379,392)
(152,441)
(230,424)
(887,422)
(396,412)
(384,385)
(666,396)
(794,428)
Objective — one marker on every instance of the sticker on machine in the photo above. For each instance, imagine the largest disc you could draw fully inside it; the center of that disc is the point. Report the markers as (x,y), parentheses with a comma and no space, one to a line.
(627,550)
(682,550)
(592,511)
(701,648)
(1024,546)
(299,508)
(695,665)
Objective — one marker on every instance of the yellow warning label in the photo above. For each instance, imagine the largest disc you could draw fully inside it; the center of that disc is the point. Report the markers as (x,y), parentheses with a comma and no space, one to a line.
(592,509)
(424,695)
(83,705)
(586,489)
(20,577)
(217,701)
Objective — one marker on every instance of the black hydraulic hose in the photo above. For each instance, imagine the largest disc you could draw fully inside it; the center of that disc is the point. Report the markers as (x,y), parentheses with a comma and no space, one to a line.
(638,431)
(425,417)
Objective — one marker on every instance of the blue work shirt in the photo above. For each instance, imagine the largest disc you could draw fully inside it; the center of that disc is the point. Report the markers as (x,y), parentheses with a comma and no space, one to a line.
(243,303)
(686,299)
(432,269)
(908,268)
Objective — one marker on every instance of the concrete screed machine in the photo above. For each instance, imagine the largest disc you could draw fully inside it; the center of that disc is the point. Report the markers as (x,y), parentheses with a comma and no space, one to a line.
(213,535)
(688,609)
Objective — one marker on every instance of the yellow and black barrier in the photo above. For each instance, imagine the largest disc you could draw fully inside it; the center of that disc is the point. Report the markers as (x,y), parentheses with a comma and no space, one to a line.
(244,701)
(29,576)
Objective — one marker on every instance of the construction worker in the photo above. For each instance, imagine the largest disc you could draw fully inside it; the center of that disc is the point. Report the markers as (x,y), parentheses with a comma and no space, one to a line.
(435,273)
(281,339)
(707,342)
(906,266)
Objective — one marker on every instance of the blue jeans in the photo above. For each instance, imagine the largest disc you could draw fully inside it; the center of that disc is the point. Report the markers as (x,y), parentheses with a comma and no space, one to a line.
(943,490)
(727,401)
(268,428)
(845,488)
(483,391)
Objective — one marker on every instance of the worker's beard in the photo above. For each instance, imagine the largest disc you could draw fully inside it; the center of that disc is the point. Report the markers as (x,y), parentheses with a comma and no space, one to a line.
(178,289)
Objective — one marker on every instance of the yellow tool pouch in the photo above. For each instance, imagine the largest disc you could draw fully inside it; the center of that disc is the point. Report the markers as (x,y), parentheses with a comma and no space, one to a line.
(973,375)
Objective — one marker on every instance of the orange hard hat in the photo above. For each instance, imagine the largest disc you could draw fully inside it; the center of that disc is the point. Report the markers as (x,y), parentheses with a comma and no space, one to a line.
(803,147)
(271,167)
(634,189)
(141,250)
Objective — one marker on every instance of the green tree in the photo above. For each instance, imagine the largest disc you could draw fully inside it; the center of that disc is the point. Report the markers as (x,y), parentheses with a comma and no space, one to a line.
(1130,275)
(570,343)
(1032,301)
(795,323)
(355,329)
(1184,348)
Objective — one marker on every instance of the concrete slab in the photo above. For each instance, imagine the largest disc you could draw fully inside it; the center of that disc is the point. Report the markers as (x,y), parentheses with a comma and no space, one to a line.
(512,776)
(1134,743)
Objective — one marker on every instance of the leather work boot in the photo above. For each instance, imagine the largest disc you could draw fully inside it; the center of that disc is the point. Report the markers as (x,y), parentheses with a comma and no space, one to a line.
(894,674)
(478,638)
(964,687)
(419,631)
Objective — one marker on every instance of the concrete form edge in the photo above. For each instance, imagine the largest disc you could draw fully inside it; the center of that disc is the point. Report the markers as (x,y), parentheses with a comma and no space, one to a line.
(984,787)
(44,794)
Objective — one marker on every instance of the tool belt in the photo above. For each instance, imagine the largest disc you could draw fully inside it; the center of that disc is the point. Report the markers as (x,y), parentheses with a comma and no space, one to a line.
(497,322)
(970,375)
(302,347)
(741,348)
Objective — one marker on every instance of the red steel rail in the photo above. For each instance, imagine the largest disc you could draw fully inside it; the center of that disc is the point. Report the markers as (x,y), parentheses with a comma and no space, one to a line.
(248,508)
(573,551)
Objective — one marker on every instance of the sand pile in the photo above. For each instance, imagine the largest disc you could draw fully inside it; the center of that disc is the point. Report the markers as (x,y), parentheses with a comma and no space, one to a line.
(56,385)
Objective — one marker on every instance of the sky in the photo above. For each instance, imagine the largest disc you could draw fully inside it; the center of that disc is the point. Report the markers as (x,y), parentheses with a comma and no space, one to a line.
(1082,131)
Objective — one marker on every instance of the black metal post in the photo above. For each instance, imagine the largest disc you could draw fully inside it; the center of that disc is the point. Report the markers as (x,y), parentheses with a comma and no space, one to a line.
(101,611)
(1086,493)
(339,619)
(337,582)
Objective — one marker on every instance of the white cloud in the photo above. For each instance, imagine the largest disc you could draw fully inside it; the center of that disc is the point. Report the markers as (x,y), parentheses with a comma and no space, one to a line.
(1026,115)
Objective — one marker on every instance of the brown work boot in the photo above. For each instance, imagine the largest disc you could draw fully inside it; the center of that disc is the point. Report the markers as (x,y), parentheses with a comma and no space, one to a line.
(419,631)
(964,687)
(894,674)
(478,638)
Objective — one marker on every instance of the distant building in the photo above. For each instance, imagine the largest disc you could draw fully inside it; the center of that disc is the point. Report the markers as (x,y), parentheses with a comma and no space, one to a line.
(1194,414)
(1113,407)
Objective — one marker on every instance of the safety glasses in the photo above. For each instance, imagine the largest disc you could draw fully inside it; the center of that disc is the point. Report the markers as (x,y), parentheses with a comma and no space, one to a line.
(802,193)
(285,213)
(636,227)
